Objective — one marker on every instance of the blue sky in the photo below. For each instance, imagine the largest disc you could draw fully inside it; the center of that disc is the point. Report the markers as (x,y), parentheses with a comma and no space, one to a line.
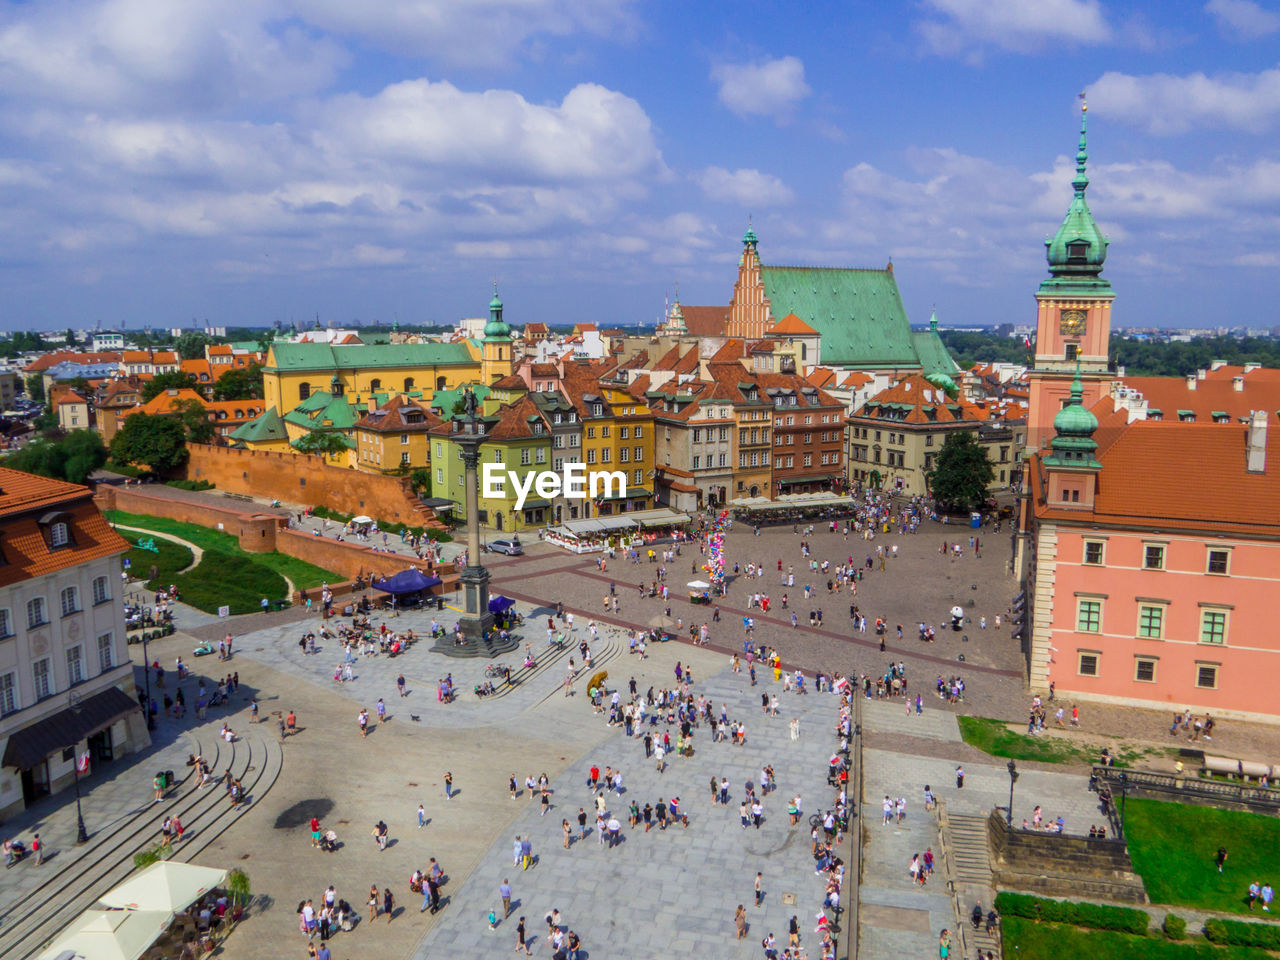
(248,161)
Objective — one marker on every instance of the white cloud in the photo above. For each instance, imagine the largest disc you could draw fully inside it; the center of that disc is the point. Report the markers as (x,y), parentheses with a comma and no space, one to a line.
(746,188)
(1243,18)
(768,89)
(966,27)
(1167,104)
(160,55)
(474,32)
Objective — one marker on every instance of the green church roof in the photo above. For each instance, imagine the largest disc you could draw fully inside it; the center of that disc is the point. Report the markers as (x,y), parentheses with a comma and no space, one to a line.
(1078,250)
(859,313)
(301,357)
(263,428)
(319,407)
(933,354)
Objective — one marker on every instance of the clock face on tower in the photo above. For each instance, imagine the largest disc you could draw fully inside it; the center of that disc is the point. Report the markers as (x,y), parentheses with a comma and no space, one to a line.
(1071,322)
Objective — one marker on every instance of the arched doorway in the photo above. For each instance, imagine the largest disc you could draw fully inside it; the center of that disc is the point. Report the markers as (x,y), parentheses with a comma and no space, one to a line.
(497,520)
(408,384)
(440,383)
(754,491)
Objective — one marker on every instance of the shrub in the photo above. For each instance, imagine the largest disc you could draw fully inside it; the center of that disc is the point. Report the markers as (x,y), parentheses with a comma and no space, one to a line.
(326,513)
(1175,928)
(1240,934)
(1093,915)
(191,484)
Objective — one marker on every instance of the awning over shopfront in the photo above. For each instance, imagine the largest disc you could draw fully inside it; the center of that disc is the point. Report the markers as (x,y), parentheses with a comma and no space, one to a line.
(792,481)
(30,745)
(657,517)
(633,493)
(168,885)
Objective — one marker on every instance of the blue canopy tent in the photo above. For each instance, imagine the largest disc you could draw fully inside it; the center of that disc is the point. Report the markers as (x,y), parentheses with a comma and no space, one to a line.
(500,604)
(406,581)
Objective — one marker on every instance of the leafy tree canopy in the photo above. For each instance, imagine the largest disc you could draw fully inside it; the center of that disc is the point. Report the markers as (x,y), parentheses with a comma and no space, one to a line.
(190,345)
(170,380)
(244,383)
(325,442)
(153,440)
(195,421)
(962,473)
(72,458)
(21,341)
(35,387)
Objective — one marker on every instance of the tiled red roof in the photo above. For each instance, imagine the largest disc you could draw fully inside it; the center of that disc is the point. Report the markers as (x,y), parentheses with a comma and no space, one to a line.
(791,326)
(1214,393)
(705,321)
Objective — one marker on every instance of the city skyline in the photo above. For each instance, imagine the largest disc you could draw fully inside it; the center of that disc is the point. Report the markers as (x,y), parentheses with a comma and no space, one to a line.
(266,160)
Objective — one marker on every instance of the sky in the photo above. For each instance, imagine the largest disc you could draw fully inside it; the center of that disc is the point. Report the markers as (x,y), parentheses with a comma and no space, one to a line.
(244,162)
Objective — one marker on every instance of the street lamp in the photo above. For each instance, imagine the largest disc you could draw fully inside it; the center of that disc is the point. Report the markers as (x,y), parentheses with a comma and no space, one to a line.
(146,678)
(1013,778)
(82,835)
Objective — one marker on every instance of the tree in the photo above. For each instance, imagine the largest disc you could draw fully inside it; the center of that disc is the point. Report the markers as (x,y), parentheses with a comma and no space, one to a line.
(71,458)
(327,443)
(153,440)
(960,478)
(195,421)
(190,345)
(420,481)
(70,337)
(169,380)
(244,383)
(35,387)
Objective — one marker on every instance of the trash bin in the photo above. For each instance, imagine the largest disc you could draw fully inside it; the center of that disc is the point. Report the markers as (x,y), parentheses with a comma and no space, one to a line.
(168,779)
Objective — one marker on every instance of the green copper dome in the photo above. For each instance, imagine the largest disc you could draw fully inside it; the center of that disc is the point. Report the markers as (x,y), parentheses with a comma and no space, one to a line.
(749,238)
(1079,248)
(1075,426)
(496,327)
(944,383)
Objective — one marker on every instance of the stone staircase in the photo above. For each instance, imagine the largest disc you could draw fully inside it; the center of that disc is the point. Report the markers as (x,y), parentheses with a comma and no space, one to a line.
(967,847)
(890,716)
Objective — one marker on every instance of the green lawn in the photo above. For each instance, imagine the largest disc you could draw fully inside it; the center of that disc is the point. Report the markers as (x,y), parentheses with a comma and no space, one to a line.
(1173,846)
(995,737)
(304,575)
(171,558)
(1030,940)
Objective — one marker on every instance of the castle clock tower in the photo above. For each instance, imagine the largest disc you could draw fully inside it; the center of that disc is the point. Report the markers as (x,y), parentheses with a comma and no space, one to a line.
(1073,317)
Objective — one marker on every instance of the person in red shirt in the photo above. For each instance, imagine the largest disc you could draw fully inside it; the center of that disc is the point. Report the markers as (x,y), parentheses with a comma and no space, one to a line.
(595,777)
(315,831)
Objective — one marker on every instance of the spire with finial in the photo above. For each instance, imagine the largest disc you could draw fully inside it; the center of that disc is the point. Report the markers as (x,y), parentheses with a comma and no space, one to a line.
(496,327)
(749,238)
(1073,427)
(1081,180)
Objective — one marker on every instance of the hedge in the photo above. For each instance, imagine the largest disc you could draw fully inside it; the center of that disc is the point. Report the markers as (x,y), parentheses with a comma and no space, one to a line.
(1175,928)
(1093,915)
(1240,934)
(397,528)
(190,484)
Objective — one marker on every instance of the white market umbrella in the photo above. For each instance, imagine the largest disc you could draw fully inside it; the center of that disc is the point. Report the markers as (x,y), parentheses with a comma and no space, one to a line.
(699,584)
(110,935)
(362,519)
(166,885)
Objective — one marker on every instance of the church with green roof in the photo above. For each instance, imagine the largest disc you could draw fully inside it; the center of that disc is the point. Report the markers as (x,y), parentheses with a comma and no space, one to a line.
(857,314)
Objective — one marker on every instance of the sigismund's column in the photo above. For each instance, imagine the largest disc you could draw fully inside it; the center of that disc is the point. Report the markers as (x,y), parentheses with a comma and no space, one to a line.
(476,619)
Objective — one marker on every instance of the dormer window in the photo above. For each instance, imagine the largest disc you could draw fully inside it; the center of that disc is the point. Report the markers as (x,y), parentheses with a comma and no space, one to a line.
(57,531)
(1077,250)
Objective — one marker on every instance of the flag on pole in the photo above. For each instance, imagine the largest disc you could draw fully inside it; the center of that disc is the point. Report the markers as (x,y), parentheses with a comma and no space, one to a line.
(82,765)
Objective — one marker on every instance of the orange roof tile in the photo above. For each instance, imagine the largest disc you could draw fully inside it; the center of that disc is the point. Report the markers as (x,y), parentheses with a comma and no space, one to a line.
(1213,394)
(792,326)
(168,400)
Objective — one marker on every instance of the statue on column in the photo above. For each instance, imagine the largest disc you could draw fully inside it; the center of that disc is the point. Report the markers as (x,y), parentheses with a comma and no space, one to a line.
(469,403)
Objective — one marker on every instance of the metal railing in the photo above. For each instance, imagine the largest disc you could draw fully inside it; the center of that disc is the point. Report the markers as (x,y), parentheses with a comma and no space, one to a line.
(1261,798)
(948,871)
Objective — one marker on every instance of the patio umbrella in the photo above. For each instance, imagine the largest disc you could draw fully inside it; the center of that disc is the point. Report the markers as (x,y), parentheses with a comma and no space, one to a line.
(406,581)
(662,622)
(699,584)
(110,935)
(500,604)
(362,519)
(166,885)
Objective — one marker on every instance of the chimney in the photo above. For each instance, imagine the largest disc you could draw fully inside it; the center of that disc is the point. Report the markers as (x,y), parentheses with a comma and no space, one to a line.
(1201,374)
(1257,459)
(1191,381)
(1237,384)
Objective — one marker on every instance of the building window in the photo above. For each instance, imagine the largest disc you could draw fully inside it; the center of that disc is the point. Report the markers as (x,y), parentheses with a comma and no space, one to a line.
(808,460)
(1207,675)
(75,665)
(591,433)
(404,459)
(524,456)
(697,434)
(1087,666)
(1219,561)
(591,456)
(637,476)
(1073,351)
(404,438)
(8,693)
(604,431)
(540,455)
(639,432)
(40,674)
(697,462)
(1089,616)
(439,474)
(624,455)
(1153,557)
(557,464)
(1093,552)
(1144,669)
(1213,626)
(106,656)
(70,599)
(637,454)
(625,432)
(36,614)
(6,626)
(497,456)
(606,455)
(742,461)
(59,535)
(1151,621)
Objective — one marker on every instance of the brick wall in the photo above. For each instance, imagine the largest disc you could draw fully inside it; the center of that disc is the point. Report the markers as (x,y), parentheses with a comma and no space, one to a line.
(263,533)
(308,481)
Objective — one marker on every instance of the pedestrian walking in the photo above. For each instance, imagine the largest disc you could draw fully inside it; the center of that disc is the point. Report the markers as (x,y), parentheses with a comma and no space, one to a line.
(448,785)
(504,892)
(759,885)
(522,938)
(388,903)
(422,817)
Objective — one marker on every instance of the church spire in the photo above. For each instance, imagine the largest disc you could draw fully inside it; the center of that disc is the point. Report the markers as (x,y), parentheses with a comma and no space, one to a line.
(1081,181)
(1078,250)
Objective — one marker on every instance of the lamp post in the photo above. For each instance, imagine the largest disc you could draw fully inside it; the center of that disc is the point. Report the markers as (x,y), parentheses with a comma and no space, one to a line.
(82,835)
(1013,778)
(146,679)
